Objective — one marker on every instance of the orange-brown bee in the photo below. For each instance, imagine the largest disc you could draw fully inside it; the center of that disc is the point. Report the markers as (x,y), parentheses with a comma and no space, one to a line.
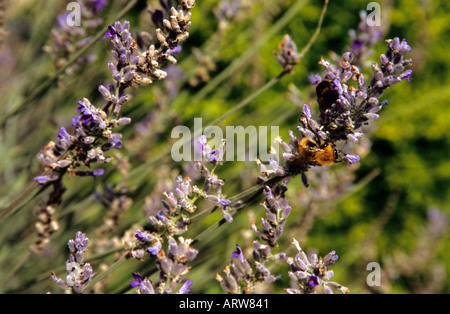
(316,154)
(326,95)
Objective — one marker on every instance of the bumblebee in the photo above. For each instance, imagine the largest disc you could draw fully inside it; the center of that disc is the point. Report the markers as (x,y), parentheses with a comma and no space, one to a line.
(326,95)
(313,153)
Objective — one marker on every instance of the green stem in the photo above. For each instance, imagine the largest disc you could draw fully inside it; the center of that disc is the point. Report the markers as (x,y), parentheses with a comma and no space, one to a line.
(12,208)
(202,189)
(110,269)
(17,267)
(316,32)
(244,197)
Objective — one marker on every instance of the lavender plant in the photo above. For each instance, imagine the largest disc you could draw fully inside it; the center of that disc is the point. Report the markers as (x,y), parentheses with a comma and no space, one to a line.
(173,217)
(242,274)
(67,39)
(344,109)
(308,273)
(95,127)
(79,274)
(348,110)
(94,133)
(172,232)
(172,266)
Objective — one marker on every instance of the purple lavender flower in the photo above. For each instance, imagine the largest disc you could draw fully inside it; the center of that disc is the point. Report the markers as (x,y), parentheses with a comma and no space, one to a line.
(44,179)
(238,270)
(69,38)
(313,281)
(277,210)
(352,158)
(94,127)
(308,273)
(344,109)
(79,244)
(157,15)
(147,242)
(93,136)
(243,272)
(175,51)
(185,289)
(137,280)
(363,39)
(79,273)
(98,5)
(212,190)
(141,236)
(173,217)
(314,79)
(209,154)
(237,253)
(173,266)
(145,286)
(288,56)
(170,33)
(392,69)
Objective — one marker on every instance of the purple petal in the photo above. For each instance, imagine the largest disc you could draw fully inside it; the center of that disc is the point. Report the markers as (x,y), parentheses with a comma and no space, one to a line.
(41,179)
(137,280)
(406,75)
(307,111)
(314,79)
(185,288)
(224,202)
(98,172)
(313,281)
(236,253)
(352,158)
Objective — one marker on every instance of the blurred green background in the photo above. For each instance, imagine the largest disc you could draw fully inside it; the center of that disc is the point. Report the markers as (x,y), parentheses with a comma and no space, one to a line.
(373,211)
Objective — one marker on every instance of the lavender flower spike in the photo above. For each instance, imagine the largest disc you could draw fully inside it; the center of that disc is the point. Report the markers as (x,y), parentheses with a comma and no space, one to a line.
(277,210)
(344,109)
(288,56)
(172,266)
(79,273)
(308,273)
